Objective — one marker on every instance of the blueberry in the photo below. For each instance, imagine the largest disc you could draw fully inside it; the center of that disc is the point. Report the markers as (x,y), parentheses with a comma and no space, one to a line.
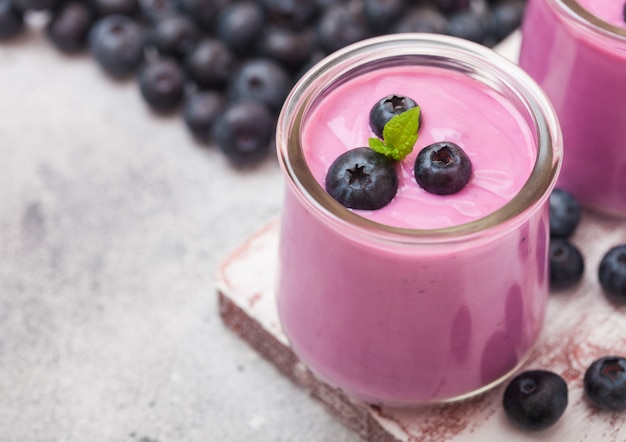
(535,399)
(292,49)
(261,79)
(210,64)
(382,14)
(244,130)
(339,26)
(468,25)
(422,19)
(448,6)
(505,17)
(292,14)
(442,168)
(564,214)
(387,108)
(154,10)
(174,35)
(566,264)
(161,83)
(117,44)
(11,20)
(605,383)
(239,26)
(69,26)
(35,5)
(612,273)
(204,12)
(103,8)
(201,110)
(362,179)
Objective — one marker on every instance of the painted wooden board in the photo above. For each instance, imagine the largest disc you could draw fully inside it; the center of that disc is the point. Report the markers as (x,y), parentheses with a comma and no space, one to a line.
(580,326)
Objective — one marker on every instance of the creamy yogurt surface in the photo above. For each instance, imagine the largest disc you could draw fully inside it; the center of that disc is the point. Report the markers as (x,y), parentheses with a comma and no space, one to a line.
(454,107)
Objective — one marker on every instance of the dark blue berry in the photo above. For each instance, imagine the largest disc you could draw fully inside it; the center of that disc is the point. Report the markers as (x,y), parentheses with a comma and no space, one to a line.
(505,17)
(612,273)
(263,80)
(448,6)
(291,48)
(244,131)
(154,10)
(201,110)
(605,383)
(174,35)
(566,264)
(362,179)
(292,14)
(69,26)
(387,108)
(564,214)
(35,5)
(468,25)
(103,8)
(11,20)
(210,64)
(442,168)
(421,19)
(161,83)
(382,14)
(339,27)
(117,44)
(239,26)
(204,12)
(535,399)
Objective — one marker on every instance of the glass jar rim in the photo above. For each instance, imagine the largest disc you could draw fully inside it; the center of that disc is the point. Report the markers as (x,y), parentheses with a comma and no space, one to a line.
(593,22)
(463,54)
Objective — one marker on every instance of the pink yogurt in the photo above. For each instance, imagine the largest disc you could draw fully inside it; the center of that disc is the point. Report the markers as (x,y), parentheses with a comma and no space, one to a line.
(372,305)
(579,59)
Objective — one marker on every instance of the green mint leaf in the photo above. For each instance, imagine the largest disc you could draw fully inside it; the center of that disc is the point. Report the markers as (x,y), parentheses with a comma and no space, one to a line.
(399,135)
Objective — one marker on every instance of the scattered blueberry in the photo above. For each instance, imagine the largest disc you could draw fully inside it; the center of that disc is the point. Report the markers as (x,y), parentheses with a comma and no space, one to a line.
(566,264)
(605,383)
(244,130)
(468,25)
(210,64)
(174,36)
(204,12)
(505,17)
(339,26)
(292,14)
(103,8)
(11,20)
(564,214)
(422,20)
(261,79)
(154,10)
(612,273)
(362,179)
(386,108)
(448,6)
(291,48)
(535,399)
(69,26)
(382,14)
(442,168)
(239,26)
(201,110)
(35,5)
(117,44)
(162,83)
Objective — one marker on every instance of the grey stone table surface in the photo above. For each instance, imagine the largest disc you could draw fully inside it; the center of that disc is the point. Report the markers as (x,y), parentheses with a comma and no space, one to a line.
(112,222)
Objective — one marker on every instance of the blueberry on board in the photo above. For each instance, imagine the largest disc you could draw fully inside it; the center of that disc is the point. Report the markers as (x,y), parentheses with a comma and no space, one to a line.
(566,264)
(261,79)
(291,48)
(201,110)
(339,26)
(210,64)
(442,168)
(292,14)
(362,179)
(11,20)
(69,26)
(421,19)
(382,14)
(605,383)
(162,83)
(174,35)
(535,399)
(239,26)
(244,130)
(564,214)
(117,44)
(612,273)
(386,108)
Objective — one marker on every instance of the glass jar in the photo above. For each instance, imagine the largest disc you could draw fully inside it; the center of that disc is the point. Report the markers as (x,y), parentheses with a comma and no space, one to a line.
(580,62)
(404,316)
